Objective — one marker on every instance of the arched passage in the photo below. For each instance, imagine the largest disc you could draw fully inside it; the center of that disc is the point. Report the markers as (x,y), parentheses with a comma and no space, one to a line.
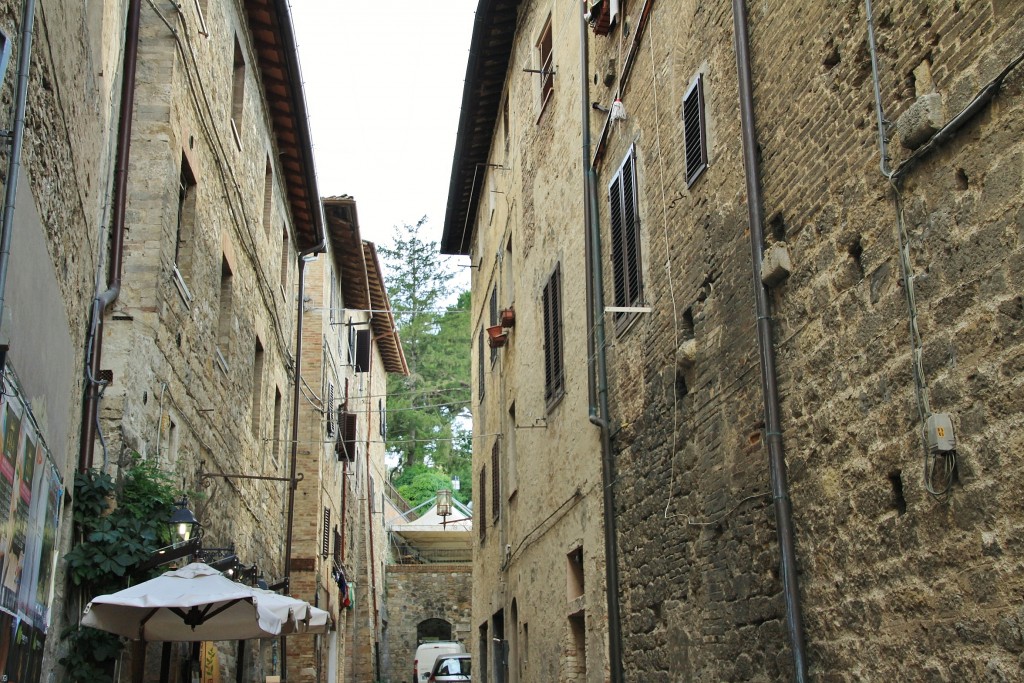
(433,629)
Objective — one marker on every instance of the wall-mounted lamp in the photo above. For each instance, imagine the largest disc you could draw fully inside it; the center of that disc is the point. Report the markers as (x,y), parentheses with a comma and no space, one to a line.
(183,522)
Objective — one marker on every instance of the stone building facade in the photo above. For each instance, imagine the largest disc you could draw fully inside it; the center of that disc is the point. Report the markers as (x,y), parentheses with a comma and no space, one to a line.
(341,547)
(56,231)
(199,347)
(539,555)
(905,546)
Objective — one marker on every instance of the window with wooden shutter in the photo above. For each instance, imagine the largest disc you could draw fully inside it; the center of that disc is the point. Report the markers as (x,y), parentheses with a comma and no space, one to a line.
(694,132)
(480,365)
(481,519)
(351,342)
(494,319)
(325,551)
(363,344)
(346,445)
(546,63)
(330,409)
(337,547)
(496,480)
(554,372)
(625,238)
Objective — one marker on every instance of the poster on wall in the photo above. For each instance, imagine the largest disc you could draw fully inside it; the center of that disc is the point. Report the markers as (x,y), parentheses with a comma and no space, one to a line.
(8,462)
(31,495)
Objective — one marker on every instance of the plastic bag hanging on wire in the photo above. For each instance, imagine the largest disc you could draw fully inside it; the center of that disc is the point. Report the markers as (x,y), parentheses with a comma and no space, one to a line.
(618,111)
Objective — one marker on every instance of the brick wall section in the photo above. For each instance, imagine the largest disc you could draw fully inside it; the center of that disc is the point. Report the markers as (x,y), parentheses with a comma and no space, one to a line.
(419,592)
(920,592)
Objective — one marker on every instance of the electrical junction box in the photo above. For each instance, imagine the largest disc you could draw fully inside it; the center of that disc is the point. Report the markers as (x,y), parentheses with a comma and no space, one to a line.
(939,433)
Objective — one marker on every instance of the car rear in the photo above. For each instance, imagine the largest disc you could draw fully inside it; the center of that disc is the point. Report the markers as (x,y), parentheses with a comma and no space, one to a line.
(456,668)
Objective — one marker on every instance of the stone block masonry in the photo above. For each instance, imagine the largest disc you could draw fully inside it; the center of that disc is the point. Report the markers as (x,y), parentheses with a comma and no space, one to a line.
(880,561)
(420,592)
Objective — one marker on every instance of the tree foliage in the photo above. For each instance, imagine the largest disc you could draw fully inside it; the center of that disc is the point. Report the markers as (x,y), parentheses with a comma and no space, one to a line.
(427,409)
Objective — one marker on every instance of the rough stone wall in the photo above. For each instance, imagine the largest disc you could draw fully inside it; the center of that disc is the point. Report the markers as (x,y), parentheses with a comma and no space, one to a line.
(894,584)
(420,592)
(64,180)
(549,491)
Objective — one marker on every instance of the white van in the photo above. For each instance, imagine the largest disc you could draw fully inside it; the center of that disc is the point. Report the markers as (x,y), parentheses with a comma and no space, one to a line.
(427,653)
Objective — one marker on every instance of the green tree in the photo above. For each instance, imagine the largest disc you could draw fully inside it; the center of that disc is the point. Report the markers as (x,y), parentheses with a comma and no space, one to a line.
(426,409)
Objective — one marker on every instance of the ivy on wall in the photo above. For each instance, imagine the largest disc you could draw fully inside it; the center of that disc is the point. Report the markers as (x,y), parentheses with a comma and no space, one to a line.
(119,525)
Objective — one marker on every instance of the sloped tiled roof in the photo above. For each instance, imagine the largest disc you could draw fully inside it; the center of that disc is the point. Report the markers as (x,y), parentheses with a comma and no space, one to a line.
(274,42)
(494,31)
(362,279)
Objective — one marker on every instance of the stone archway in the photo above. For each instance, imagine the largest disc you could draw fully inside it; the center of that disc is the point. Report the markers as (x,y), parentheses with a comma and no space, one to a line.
(433,629)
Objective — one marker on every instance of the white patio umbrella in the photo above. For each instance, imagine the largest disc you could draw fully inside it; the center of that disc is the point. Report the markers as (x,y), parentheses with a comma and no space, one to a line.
(197,603)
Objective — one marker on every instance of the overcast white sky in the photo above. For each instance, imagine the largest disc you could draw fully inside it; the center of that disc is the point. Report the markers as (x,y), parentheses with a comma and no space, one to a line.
(383,83)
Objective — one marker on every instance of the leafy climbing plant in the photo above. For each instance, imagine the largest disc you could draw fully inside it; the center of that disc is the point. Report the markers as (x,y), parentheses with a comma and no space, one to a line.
(120,524)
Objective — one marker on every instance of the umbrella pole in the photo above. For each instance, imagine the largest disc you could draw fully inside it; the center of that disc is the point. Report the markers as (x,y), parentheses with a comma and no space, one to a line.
(165,663)
(138,661)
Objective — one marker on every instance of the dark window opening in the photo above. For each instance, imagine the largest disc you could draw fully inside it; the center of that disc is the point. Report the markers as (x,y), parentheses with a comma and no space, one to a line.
(185,229)
(237,91)
(481,520)
(496,480)
(257,388)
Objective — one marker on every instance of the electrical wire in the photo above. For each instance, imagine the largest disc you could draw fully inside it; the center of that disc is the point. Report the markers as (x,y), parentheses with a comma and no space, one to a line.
(669,276)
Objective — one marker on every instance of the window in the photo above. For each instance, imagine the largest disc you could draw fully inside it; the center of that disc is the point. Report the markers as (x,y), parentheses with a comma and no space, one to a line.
(286,260)
(257,388)
(496,480)
(351,342)
(694,133)
(625,238)
(482,504)
(545,65)
(554,375)
(383,421)
(224,319)
(494,319)
(511,480)
(326,549)
(480,365)
(364,345)
(276,447)
(237,92)
(329,408)
(504,123)
(268,198)
(186,219)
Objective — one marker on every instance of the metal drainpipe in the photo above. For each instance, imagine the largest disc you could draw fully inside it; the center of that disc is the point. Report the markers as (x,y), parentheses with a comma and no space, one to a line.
(773,426)
(293,484)
(17,137)
(104,300)
(599,412)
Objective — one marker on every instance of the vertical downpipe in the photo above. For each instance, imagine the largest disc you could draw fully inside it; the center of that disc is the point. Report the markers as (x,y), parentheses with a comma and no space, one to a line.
(596,347)
(293,482)
(773,425)
(104,300)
